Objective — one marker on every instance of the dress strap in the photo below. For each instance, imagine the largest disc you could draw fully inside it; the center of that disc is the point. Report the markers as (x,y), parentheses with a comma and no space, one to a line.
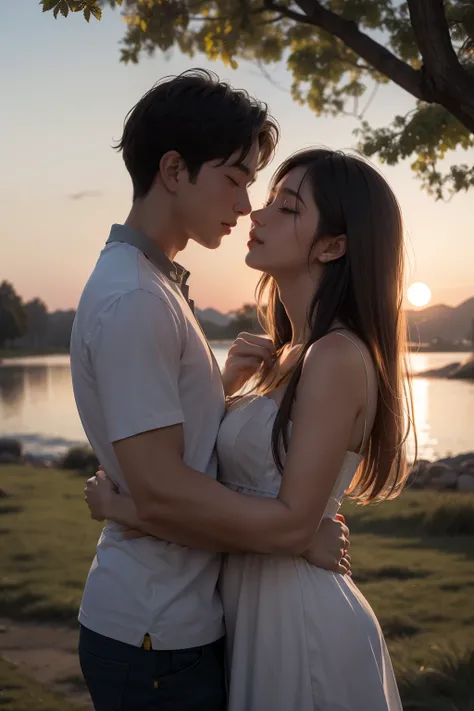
(344,335)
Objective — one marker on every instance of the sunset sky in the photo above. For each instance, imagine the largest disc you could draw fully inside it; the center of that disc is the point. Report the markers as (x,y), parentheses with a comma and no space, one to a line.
(64,96)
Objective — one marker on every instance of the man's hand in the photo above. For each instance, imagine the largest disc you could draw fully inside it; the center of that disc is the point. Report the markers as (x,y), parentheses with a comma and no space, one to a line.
(99,494)
(330,546)
(245,357)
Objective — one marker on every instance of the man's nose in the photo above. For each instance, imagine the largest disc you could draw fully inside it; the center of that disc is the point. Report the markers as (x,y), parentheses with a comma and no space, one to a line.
(243,207)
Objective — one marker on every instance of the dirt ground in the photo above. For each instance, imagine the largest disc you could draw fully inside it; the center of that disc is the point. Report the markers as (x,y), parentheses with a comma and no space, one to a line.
(47,653)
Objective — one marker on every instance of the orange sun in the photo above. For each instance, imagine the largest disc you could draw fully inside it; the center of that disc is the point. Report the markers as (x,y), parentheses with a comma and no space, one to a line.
(419,294)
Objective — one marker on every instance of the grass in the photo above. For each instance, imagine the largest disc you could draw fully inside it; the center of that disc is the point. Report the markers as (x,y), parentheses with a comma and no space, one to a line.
(413,558)
(47,542)
(19,692)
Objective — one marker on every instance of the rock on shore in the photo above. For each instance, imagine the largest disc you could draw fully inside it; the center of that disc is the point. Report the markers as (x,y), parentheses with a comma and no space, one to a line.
(453,371)
(447,474)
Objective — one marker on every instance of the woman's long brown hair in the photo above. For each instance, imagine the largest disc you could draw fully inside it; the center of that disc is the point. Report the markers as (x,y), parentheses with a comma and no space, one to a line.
(362,290)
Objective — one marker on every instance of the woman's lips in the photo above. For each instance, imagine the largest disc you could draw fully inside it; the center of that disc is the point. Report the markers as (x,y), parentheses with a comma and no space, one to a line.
(254,240)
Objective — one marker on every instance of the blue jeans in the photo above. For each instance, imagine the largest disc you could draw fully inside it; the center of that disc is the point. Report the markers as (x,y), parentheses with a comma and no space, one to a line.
(121,677)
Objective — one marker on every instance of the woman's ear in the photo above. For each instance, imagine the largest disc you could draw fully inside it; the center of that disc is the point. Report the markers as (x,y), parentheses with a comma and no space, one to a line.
(333,248)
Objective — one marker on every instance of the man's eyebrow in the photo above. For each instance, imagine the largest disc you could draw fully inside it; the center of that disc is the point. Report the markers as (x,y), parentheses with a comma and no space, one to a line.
(243,169)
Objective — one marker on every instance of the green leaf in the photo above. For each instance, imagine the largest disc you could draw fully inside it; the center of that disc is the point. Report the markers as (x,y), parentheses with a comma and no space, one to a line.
(76,5)
(64,8)
(49,4)
(326,75)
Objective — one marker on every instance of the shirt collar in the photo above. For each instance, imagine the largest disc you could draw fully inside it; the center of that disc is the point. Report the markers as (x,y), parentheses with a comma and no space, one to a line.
(175,272)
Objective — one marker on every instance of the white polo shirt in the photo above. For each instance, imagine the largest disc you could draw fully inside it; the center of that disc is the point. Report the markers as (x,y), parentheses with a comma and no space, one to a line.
(139,362)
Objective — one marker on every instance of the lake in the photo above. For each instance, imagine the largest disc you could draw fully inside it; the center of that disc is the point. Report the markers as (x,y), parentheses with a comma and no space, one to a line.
(37,405)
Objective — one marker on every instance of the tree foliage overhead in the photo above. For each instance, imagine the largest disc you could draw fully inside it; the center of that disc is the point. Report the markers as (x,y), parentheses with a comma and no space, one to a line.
(338,52)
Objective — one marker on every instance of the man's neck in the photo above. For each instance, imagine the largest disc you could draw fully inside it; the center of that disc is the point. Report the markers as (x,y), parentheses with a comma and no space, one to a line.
(159,229)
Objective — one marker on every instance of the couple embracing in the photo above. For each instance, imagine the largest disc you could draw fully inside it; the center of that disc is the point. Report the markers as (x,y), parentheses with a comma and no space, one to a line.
(222,577)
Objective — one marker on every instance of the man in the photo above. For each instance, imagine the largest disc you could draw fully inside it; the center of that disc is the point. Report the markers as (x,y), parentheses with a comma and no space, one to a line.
(151,398)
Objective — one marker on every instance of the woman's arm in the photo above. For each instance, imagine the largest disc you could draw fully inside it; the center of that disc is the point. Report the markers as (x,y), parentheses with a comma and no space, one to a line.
(329,548)
(191,509)
(106,503)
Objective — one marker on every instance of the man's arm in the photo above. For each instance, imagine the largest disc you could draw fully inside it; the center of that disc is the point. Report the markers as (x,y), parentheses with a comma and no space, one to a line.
(328,550)
(143,416)
(189,508)
(135,354)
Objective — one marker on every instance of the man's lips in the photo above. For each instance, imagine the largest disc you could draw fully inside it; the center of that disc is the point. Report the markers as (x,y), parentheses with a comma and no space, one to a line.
(230,225)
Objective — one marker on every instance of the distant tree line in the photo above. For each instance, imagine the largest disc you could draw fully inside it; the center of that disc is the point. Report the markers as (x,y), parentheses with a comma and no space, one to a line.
(244,319)
(30,326)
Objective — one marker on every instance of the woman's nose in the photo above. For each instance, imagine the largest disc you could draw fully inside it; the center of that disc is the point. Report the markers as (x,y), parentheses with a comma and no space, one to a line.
(257,217)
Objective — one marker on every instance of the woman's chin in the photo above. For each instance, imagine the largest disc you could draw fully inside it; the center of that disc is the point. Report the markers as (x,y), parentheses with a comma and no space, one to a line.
(252,261)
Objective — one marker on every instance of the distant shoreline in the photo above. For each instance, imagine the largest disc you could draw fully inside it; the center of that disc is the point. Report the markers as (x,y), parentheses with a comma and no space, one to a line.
(7,353)
(12,353)
(427,348)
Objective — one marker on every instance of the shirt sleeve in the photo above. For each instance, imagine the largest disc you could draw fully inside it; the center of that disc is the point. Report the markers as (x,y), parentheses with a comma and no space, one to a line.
(135,354)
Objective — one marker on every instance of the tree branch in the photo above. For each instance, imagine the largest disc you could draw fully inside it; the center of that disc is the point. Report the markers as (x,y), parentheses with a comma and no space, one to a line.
(445,82)
(443,76)
(296,16)
(368,49)
(431,30)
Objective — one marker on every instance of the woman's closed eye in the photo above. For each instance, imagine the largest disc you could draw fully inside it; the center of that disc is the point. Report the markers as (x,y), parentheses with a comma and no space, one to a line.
(284,206)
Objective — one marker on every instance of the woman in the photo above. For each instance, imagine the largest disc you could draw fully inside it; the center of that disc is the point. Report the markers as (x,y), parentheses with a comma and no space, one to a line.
(325,417)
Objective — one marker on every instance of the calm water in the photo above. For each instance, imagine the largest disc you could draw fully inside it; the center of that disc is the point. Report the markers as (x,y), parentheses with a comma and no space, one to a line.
(37,405)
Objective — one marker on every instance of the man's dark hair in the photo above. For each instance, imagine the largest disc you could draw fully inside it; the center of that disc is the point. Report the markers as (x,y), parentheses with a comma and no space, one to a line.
(200,117)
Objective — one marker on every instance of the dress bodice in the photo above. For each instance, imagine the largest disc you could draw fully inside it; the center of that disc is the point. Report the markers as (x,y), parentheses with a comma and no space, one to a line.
(246,461)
